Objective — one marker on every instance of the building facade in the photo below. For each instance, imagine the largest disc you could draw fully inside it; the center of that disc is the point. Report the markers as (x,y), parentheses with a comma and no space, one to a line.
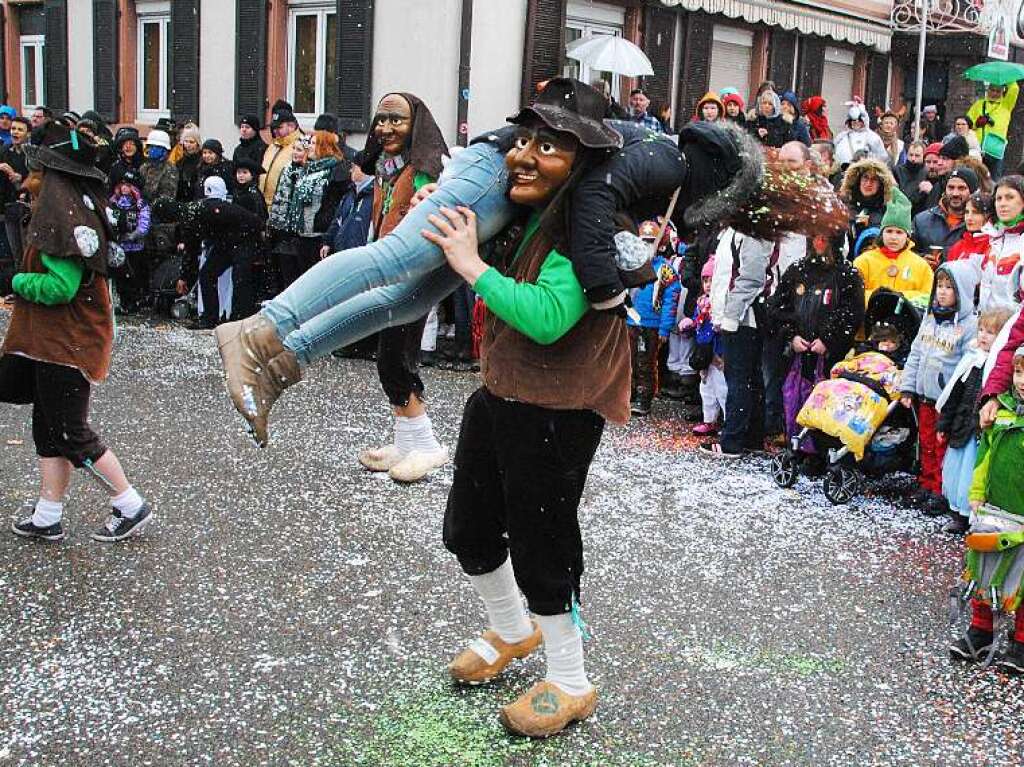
(473,61)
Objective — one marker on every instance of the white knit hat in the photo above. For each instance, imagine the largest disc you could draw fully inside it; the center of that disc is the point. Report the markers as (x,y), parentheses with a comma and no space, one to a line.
(159,138)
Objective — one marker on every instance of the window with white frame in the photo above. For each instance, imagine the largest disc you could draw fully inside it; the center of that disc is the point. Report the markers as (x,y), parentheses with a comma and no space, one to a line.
(586,19)
(154,20)
(33,90)
(312,41)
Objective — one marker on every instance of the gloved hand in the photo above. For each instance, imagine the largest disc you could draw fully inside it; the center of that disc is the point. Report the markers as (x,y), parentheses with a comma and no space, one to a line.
(982,121)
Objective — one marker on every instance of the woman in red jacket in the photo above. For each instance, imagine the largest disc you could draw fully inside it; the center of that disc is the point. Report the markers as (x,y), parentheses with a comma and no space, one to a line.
(979,215)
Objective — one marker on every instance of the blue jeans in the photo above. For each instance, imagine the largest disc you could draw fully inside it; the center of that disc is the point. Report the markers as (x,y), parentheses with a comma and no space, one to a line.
(398,278)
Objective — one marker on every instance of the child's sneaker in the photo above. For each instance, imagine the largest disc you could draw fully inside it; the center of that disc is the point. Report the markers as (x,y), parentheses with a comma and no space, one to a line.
(961,648)
(26,528)
(1012,659)
(117,528)
(705,429)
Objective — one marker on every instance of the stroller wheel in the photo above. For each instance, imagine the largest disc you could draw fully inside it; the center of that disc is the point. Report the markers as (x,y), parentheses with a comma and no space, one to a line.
(784,469)
(842,484)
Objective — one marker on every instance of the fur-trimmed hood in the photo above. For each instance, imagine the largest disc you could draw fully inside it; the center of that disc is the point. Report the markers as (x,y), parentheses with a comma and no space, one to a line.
(851,179)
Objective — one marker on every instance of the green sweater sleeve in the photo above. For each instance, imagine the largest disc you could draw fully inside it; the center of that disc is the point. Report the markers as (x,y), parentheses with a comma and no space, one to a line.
(979,480)
(57,285)
(420,180)
(543,311)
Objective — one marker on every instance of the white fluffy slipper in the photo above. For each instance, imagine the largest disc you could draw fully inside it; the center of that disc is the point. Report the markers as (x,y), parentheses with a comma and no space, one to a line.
(381,458)
(417,464)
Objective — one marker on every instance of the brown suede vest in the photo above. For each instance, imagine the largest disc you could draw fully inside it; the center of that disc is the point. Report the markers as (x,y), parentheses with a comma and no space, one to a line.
(401,196)
(79,334)
(586,369)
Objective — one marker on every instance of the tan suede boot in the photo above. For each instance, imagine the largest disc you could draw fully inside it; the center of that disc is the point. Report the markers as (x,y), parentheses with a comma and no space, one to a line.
(545,710)
(257,368)
(488,656)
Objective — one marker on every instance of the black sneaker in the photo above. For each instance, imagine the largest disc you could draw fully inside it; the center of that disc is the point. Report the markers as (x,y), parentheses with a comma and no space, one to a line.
(639,407)
(982,641)
(1012,659)
(117,528)
(27,529)
(936,506)
(957,525)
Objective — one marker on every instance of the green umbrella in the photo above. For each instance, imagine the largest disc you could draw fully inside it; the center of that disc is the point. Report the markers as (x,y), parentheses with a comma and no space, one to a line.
(996,72)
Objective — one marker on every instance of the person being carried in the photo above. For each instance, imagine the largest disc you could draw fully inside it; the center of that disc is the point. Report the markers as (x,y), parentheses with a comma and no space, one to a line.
(946,333)
(61,334)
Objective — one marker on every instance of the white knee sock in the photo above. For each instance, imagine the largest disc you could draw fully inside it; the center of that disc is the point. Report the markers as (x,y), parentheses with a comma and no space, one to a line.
(415,433)
(128,503)
(563,647)
(505,609)
(47,513)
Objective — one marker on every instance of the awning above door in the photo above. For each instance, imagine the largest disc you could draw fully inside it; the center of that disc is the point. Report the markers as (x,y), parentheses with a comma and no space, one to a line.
(809,21)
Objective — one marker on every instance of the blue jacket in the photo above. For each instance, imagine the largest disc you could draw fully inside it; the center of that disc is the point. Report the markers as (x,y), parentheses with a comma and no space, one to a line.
(664,317)
(940,344)
(351,223)
(930,228)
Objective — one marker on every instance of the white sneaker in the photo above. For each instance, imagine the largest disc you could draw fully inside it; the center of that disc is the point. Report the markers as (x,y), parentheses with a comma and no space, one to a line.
(417,464)
(381,458)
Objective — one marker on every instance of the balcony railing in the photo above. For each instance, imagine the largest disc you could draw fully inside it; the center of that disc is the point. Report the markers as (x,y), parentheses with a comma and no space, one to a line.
(946,16)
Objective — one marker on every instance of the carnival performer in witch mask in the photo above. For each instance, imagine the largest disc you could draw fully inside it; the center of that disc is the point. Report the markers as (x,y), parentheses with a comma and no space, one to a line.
(59,341)
(554,370)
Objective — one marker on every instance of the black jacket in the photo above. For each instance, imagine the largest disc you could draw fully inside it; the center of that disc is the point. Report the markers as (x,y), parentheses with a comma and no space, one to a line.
(225,169)
(909,178)
(338,185)
(250,198)
(779,131)
(639,179)
(188,172)
(250,149)
(959,417)
(120,167)
(816,299)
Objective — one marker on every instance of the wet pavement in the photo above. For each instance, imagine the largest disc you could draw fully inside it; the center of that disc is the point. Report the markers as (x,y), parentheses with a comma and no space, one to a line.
(288,608)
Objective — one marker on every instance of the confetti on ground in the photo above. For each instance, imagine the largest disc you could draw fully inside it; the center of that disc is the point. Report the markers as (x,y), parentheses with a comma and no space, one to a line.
(287,608)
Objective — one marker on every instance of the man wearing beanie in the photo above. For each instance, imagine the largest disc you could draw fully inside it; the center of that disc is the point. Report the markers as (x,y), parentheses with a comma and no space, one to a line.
(942,225)
(251,145)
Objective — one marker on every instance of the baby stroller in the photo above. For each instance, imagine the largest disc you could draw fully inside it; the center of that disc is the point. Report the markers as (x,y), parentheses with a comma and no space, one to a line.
(854,417)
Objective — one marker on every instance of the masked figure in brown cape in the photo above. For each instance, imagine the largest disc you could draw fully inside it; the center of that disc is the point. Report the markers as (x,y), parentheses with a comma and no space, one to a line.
(59,341)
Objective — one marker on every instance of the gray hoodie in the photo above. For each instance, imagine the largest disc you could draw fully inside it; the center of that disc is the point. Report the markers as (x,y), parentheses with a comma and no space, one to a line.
(940,344)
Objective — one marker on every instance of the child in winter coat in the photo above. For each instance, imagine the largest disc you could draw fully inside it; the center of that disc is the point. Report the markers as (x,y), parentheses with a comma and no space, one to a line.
(957,427)
(655,304)
(893,263)
(708,344)
(131,215)
(997,484)
(978,218)
(1001,267)
(944,337)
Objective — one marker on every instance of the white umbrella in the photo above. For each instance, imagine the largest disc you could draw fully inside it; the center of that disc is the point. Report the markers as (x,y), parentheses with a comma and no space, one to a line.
(609,53)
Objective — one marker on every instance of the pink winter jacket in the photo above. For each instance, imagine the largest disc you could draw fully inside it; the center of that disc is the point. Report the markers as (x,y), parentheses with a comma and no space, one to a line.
(1001,377)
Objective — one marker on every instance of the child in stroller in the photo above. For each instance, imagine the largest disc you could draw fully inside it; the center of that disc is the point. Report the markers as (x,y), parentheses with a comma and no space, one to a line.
(853,418)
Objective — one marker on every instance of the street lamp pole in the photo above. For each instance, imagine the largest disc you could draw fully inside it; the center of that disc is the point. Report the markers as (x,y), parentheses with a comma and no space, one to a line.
(920,69)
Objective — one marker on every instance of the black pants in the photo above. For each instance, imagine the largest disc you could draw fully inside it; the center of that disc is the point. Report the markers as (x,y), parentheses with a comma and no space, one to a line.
(519,475)
(59,396)
(398,361)
(294,264)
(644,345)
(744,405)
(219,259)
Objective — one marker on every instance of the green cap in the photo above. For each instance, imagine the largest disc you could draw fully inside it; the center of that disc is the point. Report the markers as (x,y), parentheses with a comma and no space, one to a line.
(897,212)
